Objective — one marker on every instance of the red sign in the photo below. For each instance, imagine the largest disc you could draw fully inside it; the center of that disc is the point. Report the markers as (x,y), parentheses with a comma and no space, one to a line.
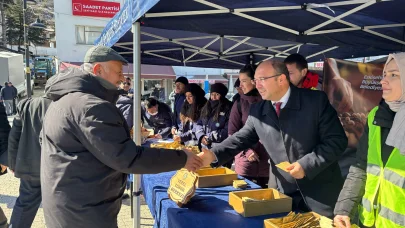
(319,64)
(95,8)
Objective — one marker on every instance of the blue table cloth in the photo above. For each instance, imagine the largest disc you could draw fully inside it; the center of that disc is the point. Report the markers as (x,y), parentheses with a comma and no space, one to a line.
(208,208)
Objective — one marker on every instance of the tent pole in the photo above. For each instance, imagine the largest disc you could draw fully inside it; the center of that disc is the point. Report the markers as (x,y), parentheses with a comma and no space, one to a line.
(136,206)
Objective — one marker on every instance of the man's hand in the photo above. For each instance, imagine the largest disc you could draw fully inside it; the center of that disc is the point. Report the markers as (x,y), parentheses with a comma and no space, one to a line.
(174,131)
(207,157)
(296,170)
(194,162)
(157,136)
(176,138)
(342,221)
(253,157)
(3,168)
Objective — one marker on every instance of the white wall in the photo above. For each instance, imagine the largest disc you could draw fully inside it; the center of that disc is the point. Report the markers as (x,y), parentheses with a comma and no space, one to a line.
(65,22)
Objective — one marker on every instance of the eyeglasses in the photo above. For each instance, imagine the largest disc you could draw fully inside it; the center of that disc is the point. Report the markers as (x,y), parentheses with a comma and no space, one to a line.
(262,79)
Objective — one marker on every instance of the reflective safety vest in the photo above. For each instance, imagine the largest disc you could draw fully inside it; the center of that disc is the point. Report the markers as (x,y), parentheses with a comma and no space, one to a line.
(383,203)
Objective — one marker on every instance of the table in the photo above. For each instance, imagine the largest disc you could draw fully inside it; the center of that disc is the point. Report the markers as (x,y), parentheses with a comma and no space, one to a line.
(208,208)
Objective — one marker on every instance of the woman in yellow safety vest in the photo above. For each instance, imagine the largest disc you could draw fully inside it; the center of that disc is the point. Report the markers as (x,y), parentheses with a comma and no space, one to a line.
(375,186)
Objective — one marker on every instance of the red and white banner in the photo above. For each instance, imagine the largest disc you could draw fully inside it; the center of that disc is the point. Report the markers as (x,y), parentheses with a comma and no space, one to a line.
(92,8)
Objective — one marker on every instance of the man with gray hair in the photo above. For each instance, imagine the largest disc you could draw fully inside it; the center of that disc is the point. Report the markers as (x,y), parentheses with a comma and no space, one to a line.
(87,151)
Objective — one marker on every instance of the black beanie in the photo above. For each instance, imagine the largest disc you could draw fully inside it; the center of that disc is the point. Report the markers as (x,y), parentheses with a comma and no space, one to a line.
(196,90)
(237,84)
(219,88)
(183,80)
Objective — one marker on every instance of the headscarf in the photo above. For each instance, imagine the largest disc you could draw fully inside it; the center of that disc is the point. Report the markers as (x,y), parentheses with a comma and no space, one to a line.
(396,136)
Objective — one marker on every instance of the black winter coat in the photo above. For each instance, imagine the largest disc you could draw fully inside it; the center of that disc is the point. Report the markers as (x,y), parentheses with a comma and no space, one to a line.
(125,105)
(87,152)
(309,132)
(353,189)
(179,100)
(4,131)
(24,149)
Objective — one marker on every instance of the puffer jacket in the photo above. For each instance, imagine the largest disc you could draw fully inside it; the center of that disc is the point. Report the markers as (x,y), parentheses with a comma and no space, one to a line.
(24,149)
(179,100)
(187,135)
(125,105)
(215,130)
(87,152)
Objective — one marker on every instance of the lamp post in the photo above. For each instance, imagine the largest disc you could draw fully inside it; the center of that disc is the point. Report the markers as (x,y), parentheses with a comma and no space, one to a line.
(37,24)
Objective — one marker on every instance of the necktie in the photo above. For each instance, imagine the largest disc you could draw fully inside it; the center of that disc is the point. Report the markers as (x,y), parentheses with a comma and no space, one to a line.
(278,107)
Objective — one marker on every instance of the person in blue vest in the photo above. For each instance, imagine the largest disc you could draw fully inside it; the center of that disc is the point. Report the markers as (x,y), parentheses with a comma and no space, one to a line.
(212,127)
(190,114)
(179,98)
(158,116)
(376,182)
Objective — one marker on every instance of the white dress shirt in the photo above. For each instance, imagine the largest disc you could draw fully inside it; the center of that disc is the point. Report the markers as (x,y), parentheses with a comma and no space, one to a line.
(284,99)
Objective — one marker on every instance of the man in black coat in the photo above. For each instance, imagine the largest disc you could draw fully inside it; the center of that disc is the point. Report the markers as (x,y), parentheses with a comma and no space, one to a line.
(179,99)
(7,96)
(87,151)
(24,156)
(298,126)
(4,131)
(15,97)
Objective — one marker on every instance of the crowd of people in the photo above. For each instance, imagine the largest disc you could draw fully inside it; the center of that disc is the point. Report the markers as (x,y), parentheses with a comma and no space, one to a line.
(72,150)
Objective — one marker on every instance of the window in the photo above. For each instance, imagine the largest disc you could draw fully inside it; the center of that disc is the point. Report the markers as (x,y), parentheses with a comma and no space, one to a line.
(87,34)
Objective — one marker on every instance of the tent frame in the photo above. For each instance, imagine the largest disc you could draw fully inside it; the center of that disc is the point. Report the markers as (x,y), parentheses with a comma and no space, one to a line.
(224,55)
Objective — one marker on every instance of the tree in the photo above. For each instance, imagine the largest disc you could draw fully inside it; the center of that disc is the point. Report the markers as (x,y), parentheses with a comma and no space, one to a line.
(3,5)
(15,26)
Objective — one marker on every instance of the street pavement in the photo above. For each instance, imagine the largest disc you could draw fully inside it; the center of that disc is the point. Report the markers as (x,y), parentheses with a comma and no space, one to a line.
(9,186)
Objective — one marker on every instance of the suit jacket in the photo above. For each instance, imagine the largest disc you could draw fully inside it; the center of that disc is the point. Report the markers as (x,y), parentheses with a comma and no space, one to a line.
(309,132)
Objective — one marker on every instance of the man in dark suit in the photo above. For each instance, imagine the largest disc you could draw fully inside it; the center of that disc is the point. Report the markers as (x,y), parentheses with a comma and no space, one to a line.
(295,125)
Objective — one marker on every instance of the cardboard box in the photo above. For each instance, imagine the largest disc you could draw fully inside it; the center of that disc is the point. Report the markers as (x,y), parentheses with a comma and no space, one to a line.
(270,201)
(324,221)
(215,177)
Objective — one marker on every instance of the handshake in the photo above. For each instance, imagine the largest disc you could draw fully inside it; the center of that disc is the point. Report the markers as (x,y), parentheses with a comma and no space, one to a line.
(195,162)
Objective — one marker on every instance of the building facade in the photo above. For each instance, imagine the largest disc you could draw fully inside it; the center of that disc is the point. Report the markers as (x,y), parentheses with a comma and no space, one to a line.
(78,23)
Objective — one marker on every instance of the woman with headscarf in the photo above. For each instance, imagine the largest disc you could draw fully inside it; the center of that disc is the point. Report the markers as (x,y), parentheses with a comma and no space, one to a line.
(190,113)
(212,127)
(253,163)
(376,183)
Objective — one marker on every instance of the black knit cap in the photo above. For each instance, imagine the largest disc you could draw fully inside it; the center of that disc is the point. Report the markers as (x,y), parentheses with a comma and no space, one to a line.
(219,88)
(183,80)
(195,89)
